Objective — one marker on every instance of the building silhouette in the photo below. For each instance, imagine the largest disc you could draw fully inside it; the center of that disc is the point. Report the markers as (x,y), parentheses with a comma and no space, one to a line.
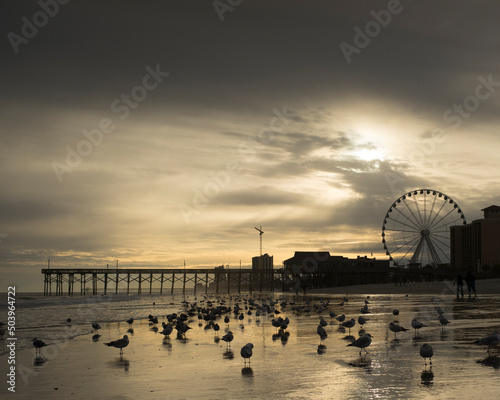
(476,246)
(263,262)
(322,261)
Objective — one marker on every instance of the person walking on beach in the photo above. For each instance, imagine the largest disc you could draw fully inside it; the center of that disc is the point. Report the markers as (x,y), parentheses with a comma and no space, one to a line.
(460,285)
(470,279)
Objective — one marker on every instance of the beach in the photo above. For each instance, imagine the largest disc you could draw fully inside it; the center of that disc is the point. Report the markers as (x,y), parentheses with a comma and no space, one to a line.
(483,286)
(82,367)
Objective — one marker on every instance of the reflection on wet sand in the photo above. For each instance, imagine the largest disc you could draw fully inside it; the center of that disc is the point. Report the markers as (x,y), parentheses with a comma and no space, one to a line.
(119,363)
(427,377)
(491,361)
(228,354)
(392,368)
(39,361)
(167,344)
(362,362)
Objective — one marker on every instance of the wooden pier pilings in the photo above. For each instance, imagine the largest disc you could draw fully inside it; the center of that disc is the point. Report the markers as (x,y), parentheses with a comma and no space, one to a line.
(70,281)
(161,280)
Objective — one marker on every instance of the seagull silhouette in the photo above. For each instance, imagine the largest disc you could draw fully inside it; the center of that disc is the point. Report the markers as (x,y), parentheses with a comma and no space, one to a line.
(119,344)
(246,352)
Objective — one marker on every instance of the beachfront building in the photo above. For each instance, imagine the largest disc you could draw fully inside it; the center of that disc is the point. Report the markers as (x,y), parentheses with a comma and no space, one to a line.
(320,269)
(263,262)
(323,261)
(476,246)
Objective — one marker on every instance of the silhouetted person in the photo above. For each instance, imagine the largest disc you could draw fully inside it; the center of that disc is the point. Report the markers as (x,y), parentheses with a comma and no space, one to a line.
(460,285)
(470,279)
(304,287)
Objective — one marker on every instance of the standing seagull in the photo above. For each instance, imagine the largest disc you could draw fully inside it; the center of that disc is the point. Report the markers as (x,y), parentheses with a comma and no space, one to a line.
(349,324)
(396,328)
(228,338)
(246,352)
(119,344)
(492,340)
(362,320)
(426,352)
(167,330)
(362,342)
(96,327)
(38,344)
(417,325)
(443,321)
(321,332)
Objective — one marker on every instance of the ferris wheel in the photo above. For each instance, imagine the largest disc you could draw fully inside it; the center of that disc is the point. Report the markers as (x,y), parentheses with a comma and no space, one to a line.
(416,229)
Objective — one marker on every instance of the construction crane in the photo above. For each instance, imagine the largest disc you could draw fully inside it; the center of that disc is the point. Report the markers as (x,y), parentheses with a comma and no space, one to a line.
(261,232)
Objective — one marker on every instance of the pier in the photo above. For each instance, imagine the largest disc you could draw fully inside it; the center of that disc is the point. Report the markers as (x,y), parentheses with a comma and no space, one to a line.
(69,281)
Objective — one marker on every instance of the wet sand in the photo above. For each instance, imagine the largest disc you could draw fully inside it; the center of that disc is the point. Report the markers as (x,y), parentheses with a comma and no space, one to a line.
(201,368)
(483,286)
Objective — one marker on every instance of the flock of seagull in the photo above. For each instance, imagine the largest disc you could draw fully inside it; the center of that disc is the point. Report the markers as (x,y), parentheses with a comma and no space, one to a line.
(211,311)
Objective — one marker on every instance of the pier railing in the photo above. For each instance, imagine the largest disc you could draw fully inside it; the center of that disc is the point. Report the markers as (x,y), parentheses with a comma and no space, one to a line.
(160,280)
(69,281)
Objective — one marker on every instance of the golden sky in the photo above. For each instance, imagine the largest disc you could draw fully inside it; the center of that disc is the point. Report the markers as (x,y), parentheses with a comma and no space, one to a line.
(165,131)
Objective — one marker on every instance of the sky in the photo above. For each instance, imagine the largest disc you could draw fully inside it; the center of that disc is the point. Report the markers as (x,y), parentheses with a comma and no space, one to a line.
(163,132)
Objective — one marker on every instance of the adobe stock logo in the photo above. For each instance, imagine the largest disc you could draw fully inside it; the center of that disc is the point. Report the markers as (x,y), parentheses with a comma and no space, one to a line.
(30,28)
(362,39)
(221,7)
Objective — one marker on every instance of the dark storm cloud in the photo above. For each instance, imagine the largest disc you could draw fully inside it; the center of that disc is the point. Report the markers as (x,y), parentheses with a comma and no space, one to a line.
(279,49)
(263,195)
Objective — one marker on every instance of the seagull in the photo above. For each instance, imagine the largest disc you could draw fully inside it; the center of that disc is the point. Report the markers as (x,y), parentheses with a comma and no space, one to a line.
(246,352)
(130,321)
(181,328)
(443,321)
(38,344)
(341,318)
(492,340)
(216,328)
(167,329)
(426,352)
(228,338)
(362,342)
(321,332)
(416,325)
(119,344)
(396,328)
(395,312)
(349,324)
(362,320)
(96,326)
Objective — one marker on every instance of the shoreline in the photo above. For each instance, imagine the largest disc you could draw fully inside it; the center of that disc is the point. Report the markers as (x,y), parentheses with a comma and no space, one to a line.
(483,286)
